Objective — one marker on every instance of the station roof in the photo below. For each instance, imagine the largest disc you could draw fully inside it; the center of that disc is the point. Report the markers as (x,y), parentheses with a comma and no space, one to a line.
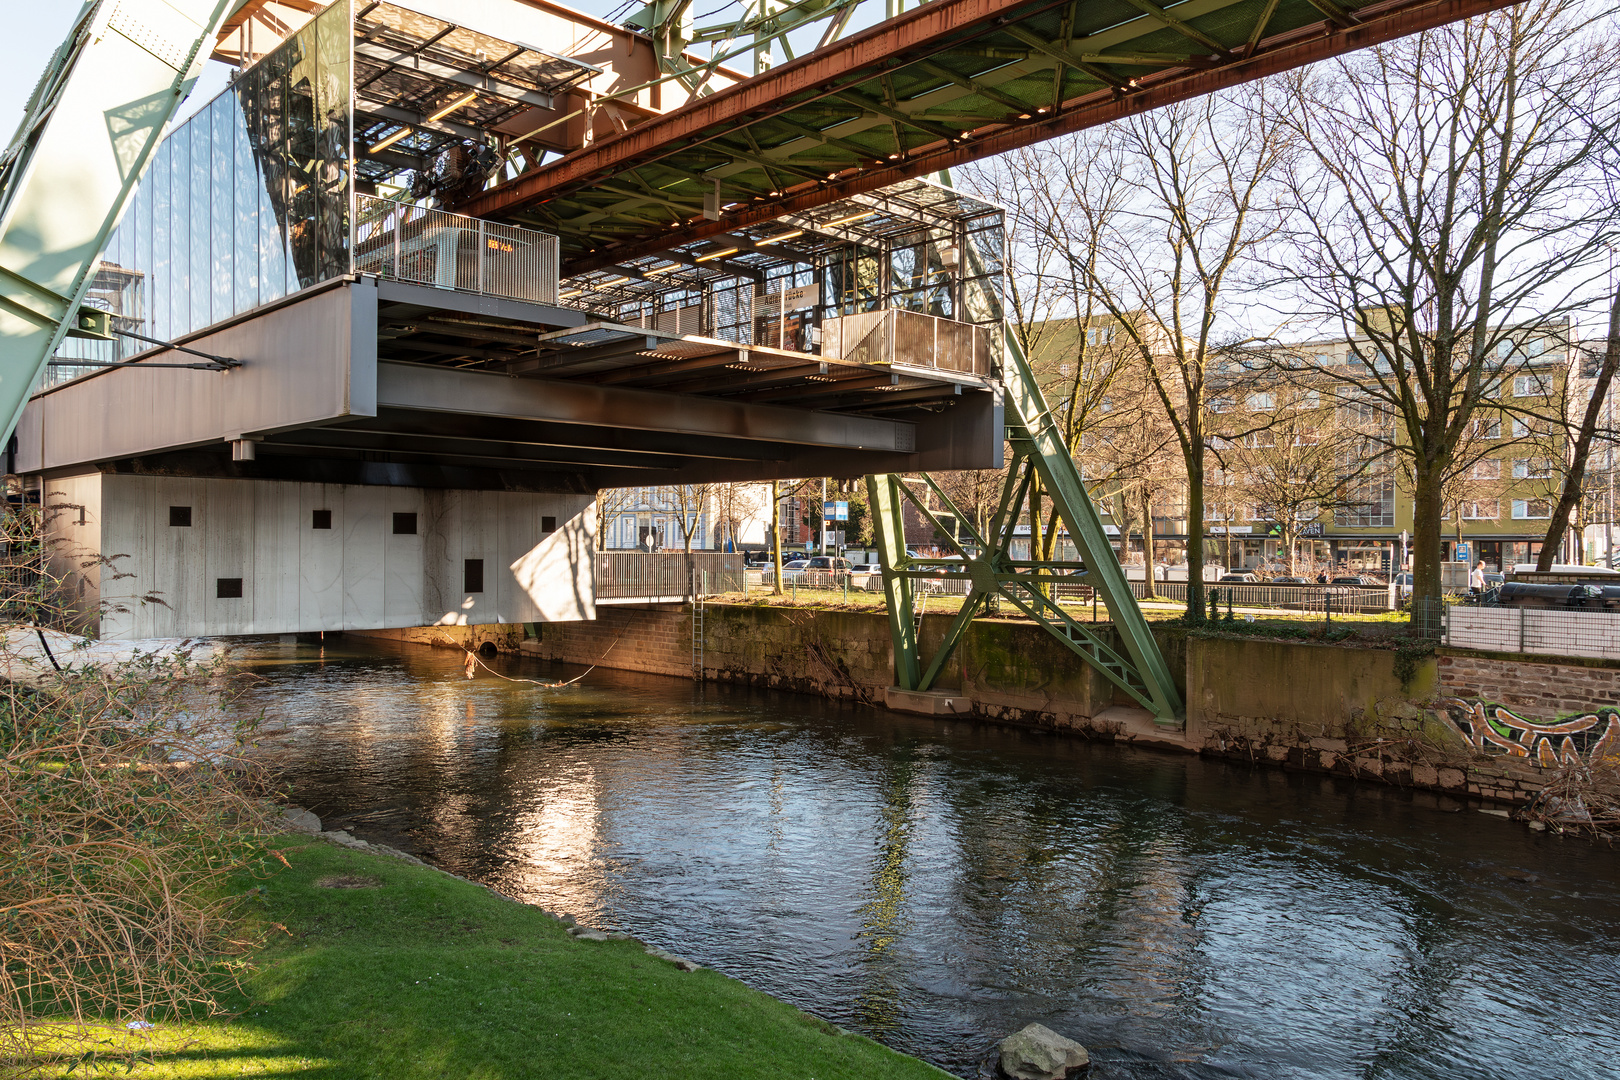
(895,213)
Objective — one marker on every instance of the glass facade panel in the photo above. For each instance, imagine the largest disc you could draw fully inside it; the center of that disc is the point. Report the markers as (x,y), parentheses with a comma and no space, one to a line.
(243,203)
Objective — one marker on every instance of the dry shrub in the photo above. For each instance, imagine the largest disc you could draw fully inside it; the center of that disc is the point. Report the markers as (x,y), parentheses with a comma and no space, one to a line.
(1582,797)
(127,809)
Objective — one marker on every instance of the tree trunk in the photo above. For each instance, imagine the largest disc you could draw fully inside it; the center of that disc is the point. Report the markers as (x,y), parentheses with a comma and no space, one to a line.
(1575,477)
(1149,564)
(776,540)
(1195,538)
(1428,517)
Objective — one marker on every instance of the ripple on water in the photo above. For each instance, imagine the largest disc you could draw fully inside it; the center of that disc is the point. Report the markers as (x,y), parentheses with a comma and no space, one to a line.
(939,884)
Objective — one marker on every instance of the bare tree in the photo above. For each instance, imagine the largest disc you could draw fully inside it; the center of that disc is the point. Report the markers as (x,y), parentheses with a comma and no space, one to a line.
(610,503)
(1156,216)
(1585,436)
(1446,197)
(688,503)
(735,504)
(1286,449)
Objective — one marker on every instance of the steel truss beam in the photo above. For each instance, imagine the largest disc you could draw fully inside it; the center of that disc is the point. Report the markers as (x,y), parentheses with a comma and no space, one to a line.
(949,82)
(1038,453)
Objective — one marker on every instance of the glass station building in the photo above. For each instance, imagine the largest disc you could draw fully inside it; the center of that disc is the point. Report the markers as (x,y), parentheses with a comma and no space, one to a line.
(326,156)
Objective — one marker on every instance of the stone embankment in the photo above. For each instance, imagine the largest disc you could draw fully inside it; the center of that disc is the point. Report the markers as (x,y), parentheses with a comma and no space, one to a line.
(1475,724)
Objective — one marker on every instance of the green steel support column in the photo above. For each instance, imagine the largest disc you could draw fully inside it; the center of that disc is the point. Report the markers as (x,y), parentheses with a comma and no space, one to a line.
(1038,453)
(888,525)
(1027,409)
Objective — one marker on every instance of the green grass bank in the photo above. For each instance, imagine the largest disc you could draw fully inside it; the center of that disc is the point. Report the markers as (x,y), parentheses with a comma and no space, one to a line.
(417,974)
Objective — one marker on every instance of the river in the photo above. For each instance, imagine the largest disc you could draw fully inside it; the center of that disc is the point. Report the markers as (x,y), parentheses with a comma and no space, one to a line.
(937,884)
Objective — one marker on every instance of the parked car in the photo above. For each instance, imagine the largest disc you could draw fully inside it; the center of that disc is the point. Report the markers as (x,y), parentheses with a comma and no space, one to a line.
(825,571)
(1359,580)
(791,571)
(1289,581)
(1239,579)
(1403,587)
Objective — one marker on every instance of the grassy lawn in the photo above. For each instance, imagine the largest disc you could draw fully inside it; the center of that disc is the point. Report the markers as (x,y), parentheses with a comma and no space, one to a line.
(1152,610)
(428,976)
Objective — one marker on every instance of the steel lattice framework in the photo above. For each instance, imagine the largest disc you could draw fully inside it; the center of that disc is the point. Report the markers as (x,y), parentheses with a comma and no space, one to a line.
(948,82)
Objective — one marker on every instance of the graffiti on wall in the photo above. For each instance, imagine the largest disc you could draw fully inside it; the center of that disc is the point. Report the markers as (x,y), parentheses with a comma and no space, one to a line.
(1591,738)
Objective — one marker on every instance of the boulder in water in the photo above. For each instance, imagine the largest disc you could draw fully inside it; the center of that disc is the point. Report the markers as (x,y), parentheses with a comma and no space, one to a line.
(1039,1053)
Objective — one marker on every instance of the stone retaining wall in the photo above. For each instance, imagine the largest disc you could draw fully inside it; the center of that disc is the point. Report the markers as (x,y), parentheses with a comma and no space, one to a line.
(1342,709)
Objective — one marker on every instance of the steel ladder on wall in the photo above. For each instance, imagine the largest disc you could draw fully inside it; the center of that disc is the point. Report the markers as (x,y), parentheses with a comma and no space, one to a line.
(699,584)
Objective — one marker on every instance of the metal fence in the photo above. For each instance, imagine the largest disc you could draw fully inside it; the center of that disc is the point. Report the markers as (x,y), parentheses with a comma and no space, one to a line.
(1534,630)
(1346,598)
(431,247)
(667,575)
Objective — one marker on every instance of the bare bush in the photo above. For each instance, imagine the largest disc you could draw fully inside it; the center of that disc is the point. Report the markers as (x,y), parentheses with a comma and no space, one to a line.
(127,808)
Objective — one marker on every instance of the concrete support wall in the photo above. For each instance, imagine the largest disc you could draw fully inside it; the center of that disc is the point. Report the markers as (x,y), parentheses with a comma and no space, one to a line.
(356,571)
(1350,710)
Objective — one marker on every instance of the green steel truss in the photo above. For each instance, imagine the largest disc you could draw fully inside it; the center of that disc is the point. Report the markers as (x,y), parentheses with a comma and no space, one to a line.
(1135,666)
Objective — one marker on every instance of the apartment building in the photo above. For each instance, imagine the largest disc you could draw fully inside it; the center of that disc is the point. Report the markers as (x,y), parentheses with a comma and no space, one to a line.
(1302,470)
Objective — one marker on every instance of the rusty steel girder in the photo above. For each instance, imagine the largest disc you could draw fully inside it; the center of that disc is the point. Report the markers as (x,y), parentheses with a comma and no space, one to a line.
(797,161)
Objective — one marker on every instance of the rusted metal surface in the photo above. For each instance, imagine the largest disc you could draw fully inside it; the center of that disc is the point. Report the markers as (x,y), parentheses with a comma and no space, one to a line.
(953,80)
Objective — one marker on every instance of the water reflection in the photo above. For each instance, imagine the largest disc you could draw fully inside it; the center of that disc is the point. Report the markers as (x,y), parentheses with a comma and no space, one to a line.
(937,884)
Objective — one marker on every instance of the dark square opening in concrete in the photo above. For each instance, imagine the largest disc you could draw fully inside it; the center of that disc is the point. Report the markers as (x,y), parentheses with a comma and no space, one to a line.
(228,588)
(472,575)
(405,524)
(548,524)
(180,517)
(321,519)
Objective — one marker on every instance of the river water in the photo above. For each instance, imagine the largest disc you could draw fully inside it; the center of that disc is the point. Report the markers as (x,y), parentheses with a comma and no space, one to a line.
(938,884)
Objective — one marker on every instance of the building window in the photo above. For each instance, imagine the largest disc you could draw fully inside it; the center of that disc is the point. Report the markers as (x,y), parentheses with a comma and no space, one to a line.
(1260,401)
(1488,429)
(180,517)
(228,588)
(1220,404)
(472,575)
(1522,428)
(1532,469)
(1309,399)
(404,524)
(1483,510)
(1529,509)
(1486,469)
(1371,503)
(321,519)
(548,524)
(1531,386)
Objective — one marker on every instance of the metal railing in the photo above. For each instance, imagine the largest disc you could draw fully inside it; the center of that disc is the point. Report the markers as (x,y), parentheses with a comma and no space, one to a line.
(897,336)
(403,242)
(667,575)
(1341,598)
(1534,630)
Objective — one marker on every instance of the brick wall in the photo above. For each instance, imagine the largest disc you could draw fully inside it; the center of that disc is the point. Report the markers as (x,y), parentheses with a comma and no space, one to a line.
(1543,690)
(655,638)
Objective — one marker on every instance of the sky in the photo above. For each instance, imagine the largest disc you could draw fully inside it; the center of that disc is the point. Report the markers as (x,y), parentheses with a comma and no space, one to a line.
(37,28)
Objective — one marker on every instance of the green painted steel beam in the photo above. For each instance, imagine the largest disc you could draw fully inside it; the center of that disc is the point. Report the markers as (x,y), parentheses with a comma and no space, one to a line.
(1137,668)
(883,499)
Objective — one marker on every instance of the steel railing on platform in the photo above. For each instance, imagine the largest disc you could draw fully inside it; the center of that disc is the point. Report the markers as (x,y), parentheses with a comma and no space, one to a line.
(403,242)
(667,575)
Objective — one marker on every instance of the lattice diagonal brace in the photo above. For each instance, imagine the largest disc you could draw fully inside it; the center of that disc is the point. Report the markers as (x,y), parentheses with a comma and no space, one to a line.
(1136,667)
